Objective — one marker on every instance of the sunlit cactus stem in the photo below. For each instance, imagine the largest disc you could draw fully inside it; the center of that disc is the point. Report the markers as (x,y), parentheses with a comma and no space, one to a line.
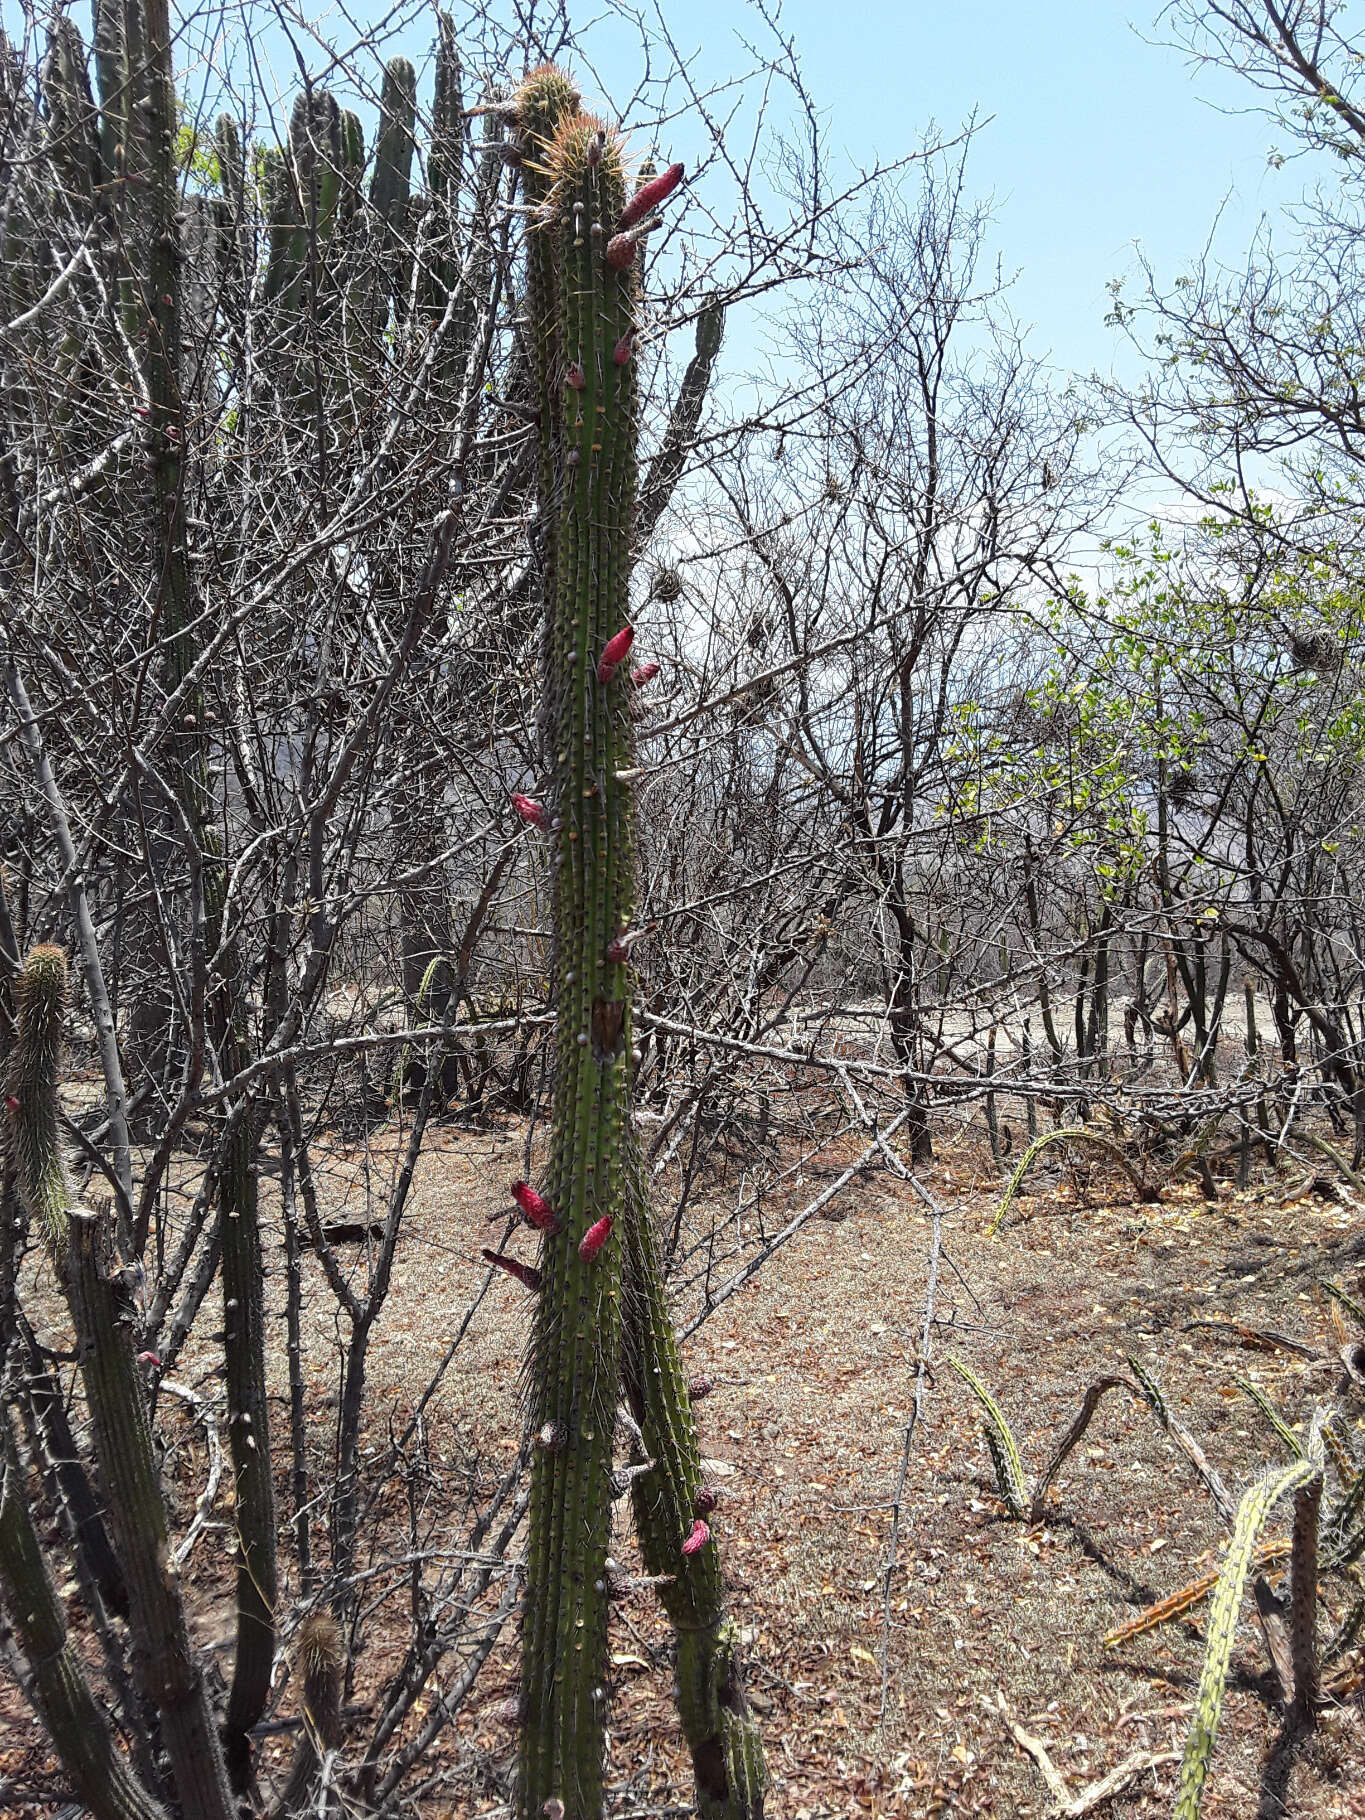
(591,1335)
(575,1366)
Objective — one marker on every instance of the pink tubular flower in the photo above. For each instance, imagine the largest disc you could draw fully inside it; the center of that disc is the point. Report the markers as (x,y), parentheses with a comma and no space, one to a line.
(622,351)
(650,195)
(621,251)
(614,653)
(530,810)
(536,1208)
(698,1539)
(595,1238)
(524,1273)
(149,1358)
(645,674)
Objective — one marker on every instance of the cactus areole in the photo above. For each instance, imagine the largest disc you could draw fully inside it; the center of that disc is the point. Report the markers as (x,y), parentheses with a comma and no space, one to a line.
(600,1312)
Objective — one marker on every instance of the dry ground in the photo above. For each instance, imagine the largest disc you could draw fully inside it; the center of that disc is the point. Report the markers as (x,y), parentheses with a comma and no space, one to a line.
(813,1367)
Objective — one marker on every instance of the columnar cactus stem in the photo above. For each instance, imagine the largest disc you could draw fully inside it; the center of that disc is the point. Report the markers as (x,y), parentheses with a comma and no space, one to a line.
(576,1353)
(545,99)
(317,156)
(582,308)
(104,1319)
(668,1503)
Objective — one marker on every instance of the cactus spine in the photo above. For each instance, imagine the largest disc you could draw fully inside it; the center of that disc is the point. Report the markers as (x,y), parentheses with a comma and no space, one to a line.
(103,1316)
(602,1319)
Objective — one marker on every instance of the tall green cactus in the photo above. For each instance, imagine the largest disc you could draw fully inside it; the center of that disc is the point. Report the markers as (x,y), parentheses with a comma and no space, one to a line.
(576,1368)
(98,1293)
(602,1321)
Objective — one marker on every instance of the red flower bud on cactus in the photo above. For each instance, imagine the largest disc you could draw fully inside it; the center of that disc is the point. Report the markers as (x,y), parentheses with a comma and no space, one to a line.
(575,376)
(536,1208)
(11,1102)
(149,1358)
(621,251)
(699,1388)
(622,351)
(704,1502)
(698,1539)
(650,195)
(645,674)
(530,810)
(524,1273)
(595,1238)
(614,653)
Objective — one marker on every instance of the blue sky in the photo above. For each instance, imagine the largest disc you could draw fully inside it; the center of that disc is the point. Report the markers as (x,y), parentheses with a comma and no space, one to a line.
(1097,139)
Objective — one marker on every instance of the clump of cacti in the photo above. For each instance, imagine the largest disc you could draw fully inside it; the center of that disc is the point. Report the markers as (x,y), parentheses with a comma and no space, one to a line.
(602,1322)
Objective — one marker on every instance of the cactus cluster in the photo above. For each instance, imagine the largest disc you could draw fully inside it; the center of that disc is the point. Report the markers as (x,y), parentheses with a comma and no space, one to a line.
(602,1327)
(167,274)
